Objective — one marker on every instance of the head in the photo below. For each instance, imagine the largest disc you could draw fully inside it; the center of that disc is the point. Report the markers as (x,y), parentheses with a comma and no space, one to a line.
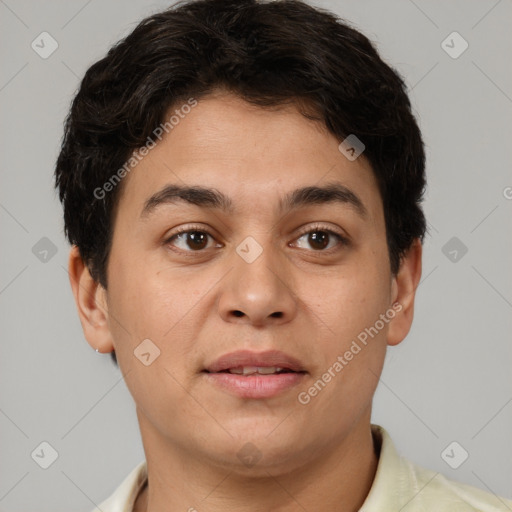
(224,119)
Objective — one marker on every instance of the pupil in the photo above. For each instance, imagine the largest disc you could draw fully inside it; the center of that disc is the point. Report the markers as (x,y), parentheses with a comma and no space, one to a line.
(319,239)
(197,239)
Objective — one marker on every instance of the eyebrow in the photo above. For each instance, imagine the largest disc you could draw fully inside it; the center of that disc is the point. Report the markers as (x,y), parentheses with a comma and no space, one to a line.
(211,198)
(329,193)
(197,195)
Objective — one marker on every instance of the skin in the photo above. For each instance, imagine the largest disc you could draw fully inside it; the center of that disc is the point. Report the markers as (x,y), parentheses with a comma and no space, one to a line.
(313,456)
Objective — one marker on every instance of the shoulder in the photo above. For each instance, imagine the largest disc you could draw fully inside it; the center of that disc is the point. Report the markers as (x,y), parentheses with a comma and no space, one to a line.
(402,485)
(451,496)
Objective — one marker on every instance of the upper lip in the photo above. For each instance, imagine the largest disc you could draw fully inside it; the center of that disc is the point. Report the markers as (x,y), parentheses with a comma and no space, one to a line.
(242,358)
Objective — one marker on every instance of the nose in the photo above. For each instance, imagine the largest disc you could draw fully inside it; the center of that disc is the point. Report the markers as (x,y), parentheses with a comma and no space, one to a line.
(258,293)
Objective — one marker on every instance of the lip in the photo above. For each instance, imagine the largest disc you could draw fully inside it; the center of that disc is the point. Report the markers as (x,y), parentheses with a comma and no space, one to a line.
(256,385)
(249,358)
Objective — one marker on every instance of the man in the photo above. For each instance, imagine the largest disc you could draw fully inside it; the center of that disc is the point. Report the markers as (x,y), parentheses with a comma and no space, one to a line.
(242,186)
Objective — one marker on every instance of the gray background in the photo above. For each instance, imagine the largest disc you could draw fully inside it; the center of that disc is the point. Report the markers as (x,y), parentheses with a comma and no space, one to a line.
(451,378)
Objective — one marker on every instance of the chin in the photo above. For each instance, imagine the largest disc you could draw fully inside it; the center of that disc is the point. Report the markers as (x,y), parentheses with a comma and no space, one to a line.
(265,428)
(260,450)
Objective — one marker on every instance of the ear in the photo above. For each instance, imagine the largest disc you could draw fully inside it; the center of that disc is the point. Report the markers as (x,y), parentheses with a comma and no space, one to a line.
(91,302)
(403,292)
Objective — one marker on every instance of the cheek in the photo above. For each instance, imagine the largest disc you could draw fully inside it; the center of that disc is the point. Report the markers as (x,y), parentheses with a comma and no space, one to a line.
(146,298)
(155,306)
(351,305)
(161,305)
(343,385)
(350,301)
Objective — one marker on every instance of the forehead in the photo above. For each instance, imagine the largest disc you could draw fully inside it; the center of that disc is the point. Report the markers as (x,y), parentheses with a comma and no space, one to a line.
(254,156)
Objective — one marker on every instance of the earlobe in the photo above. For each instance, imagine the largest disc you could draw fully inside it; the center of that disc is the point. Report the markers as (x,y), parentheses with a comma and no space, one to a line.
(403,292)
(91,303)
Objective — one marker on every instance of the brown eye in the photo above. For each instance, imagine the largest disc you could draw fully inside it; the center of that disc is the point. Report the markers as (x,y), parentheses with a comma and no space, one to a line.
(197,239)
(191,240)
(320,239)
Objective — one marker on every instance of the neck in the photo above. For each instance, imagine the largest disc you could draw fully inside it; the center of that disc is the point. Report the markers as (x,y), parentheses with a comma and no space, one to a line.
(339,478)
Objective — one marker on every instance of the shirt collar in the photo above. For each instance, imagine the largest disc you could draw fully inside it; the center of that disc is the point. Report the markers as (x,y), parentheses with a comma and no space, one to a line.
(392,482)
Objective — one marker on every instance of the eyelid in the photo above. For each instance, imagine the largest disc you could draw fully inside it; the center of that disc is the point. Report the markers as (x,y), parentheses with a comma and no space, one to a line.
(323,227)
(343,239)
(187,229)
(303,231)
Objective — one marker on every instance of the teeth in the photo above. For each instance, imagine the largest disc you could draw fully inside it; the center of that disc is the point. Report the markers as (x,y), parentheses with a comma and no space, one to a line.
(238,371)
(268,370)
(250,370)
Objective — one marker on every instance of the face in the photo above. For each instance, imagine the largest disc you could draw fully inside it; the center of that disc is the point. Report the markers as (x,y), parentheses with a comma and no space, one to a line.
(273,265)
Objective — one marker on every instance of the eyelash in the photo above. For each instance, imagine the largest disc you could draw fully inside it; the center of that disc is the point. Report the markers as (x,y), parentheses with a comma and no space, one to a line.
(188,229)
(317,227)
(343,240)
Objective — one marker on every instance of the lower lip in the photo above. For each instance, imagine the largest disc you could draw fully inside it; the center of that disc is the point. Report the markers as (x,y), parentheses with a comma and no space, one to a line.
(256,385)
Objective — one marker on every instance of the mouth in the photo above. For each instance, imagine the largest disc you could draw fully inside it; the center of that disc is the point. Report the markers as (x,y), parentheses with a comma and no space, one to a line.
(246,362)
(259,370)
(255,375)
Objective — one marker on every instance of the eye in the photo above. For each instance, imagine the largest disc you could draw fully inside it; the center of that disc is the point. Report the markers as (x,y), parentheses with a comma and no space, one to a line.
(190,239)
(321,238)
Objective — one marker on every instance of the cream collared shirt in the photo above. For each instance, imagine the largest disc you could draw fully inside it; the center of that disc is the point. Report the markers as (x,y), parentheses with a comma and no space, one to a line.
(399,486)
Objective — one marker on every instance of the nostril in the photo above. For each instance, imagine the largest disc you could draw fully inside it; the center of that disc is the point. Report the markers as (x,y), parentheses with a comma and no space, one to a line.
(277,314)
(238,313)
